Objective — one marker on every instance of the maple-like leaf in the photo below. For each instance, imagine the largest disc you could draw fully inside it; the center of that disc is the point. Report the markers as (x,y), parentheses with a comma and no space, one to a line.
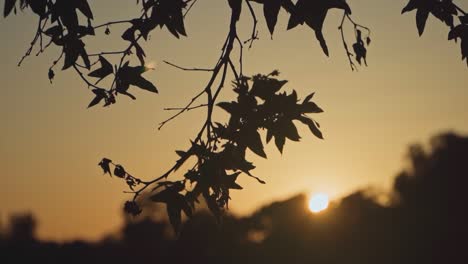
(313,13)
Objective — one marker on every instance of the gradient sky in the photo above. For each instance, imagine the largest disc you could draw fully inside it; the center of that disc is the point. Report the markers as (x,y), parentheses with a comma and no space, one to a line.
(50,143)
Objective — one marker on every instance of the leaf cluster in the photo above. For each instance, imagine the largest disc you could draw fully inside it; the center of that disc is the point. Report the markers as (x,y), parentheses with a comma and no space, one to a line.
(447,12)
(221,159)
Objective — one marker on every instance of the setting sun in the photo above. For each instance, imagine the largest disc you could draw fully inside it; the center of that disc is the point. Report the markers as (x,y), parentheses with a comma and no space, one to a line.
(318,202)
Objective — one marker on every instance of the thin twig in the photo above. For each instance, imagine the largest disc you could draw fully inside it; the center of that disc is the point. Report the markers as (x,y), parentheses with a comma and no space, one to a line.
(187,69)
(254,27)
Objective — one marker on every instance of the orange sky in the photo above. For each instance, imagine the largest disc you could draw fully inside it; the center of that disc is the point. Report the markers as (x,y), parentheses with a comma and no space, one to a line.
(50,143)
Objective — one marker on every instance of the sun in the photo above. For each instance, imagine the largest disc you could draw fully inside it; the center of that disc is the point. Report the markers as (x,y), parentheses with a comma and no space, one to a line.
(318,202)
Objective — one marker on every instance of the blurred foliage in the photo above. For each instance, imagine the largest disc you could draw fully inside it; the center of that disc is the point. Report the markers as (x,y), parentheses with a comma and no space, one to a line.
(425,222)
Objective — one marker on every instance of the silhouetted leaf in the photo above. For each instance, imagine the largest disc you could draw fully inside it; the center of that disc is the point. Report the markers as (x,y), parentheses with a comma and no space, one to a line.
(290,130)
(311,107)
(119,171)
(312,126)
(360,52)
(229,107)
(212,205)
(461,31)
(175,216)
(100,94)
(51,75)
(412,4)
(84,7)
(279,142)
(175,203)
(421,17)
(458,32)
(128,75)
(54,31)
(254,143)
(422,12)
(9,5)
(38,6)
(73,48)
(270,10)
(313,13)
(131,207)
(265,87)
(229,181)
(105,162)
(463,19)
(144,84)
(308,98)
(106,69)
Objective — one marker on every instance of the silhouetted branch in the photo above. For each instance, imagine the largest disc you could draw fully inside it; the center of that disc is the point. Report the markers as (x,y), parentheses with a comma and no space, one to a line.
(348,54)
(254,35)
(188,69)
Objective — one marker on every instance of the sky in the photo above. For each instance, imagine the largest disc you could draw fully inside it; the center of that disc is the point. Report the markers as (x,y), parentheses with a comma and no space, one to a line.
(50,144)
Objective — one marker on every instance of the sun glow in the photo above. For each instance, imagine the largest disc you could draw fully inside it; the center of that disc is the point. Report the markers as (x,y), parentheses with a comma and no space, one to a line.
(318,202)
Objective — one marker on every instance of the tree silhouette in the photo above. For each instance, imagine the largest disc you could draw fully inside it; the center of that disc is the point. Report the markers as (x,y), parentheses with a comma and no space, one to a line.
(219,149)
(427,223)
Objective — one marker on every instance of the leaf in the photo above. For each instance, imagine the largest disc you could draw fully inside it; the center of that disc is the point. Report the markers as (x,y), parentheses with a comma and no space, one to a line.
(308,98)
(181,153)
(266,87)
(177,22)
(38,6)
(100,94)
(104,164)
(269,135)
(51,75)
(119,171)
(463,19)
(313,13)
(229,181)
(9,5)
(175,203)
(360,52)
(323,43)
(128,75)
(254,143)
(312,126)
(143,84)
(229,107)
(71,55)
(458,32)
(105,70)
(412,4)
(311,107)
(461,31)
(140,53)
(270,11)
(54,31)
(290,131)
(212,205)
(314,129)
(131,207)
(84,7)
(175,217)
(279,142)
(421,17)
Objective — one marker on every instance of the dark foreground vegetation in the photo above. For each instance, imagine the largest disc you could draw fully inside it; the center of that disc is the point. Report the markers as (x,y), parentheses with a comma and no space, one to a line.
(426,221)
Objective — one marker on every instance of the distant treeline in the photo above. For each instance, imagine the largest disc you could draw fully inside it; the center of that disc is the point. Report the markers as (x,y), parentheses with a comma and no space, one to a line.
(426,221)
